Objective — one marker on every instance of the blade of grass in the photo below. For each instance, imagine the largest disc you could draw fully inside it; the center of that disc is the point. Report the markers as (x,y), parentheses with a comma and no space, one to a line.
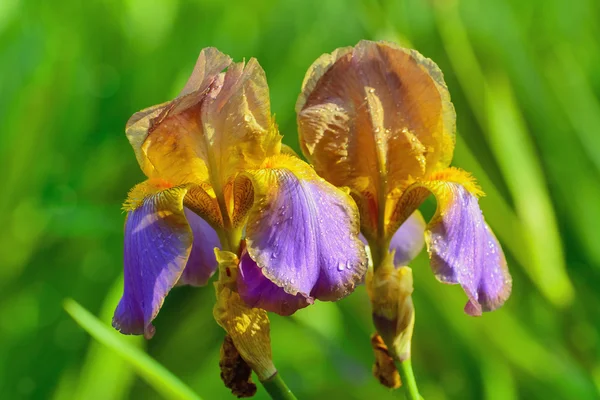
(578,100)
(517,158)
(149,369)
(104,374)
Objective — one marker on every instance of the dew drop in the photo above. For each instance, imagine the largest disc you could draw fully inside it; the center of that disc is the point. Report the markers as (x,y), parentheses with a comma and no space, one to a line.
(341,266)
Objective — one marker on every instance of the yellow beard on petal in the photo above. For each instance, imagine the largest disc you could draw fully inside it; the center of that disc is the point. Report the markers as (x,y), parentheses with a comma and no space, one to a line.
(141,191)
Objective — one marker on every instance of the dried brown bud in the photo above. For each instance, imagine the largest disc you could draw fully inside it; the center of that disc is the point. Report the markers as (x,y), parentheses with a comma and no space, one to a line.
(235,372)
(384,368)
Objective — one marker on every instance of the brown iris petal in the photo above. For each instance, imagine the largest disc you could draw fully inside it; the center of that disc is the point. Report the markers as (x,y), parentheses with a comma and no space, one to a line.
(373,117)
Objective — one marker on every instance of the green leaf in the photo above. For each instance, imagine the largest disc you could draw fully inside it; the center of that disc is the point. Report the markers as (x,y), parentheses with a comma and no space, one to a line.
(149,369)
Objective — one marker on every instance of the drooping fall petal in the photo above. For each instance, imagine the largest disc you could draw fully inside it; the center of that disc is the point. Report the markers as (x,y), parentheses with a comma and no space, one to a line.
(372,117)
(158,241)
(165,244)
(302,234)
(462,247)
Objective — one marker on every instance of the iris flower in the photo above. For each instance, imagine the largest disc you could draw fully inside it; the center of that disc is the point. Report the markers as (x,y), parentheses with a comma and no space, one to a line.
(378,119)
(218,177)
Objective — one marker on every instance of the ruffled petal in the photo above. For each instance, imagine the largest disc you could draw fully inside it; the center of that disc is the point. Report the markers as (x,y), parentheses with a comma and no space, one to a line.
(202,263)
(373,116)
(303,232)
(409,239)
(158,241)
(258,291)
(219,125)
(164,137)
(462,247)
(237,125)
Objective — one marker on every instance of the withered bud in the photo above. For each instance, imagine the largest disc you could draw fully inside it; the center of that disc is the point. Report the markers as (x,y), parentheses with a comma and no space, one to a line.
(248,328)
(235,372)
(384,368)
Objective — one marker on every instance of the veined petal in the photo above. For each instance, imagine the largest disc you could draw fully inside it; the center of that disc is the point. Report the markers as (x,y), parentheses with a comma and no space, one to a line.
(201,264)
(462,247)
(170,153)
(409,239)
(237,125)
(372,117)
(218,125)
(158,241)
(165,244)
(302,232)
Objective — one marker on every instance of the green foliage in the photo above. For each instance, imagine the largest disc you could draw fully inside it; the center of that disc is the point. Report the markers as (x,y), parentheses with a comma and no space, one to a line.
(526,86)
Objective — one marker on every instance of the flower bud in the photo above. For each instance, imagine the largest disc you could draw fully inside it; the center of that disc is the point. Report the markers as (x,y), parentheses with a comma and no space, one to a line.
(390,290)
(248,327)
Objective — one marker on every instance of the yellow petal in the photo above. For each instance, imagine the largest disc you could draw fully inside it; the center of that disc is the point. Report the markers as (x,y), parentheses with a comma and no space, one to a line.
(236,123)
(201,200)
(169,154)
(197,198)
(372,118)
(219,125)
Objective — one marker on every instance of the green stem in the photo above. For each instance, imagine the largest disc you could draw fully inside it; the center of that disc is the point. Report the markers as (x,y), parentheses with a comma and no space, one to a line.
(408,380)
(277,388)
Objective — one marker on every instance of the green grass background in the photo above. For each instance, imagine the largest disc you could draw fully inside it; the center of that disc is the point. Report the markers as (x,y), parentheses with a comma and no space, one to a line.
(525,81)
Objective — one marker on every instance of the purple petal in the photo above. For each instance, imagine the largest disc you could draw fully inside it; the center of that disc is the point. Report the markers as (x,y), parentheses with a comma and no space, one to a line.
(409,239)
(464,250)
(202,263)
(258,291)
(303,236)
(158,241)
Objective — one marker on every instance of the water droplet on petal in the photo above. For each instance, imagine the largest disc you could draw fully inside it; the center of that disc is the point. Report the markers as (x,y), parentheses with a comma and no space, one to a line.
(341,266)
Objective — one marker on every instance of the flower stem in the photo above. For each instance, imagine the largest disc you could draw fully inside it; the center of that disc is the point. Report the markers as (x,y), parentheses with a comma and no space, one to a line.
(408,380)
(277,388)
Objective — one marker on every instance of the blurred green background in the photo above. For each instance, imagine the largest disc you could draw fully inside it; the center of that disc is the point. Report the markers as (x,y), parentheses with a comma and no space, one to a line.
(525,81)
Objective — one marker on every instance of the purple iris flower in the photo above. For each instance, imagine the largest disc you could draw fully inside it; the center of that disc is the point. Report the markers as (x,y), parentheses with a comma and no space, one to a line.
(221,187)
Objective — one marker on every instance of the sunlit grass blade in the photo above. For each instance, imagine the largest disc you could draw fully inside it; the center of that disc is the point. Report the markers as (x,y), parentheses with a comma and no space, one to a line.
(151,371)
(498,380)
(578,99)
(104,373)
(516,155)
